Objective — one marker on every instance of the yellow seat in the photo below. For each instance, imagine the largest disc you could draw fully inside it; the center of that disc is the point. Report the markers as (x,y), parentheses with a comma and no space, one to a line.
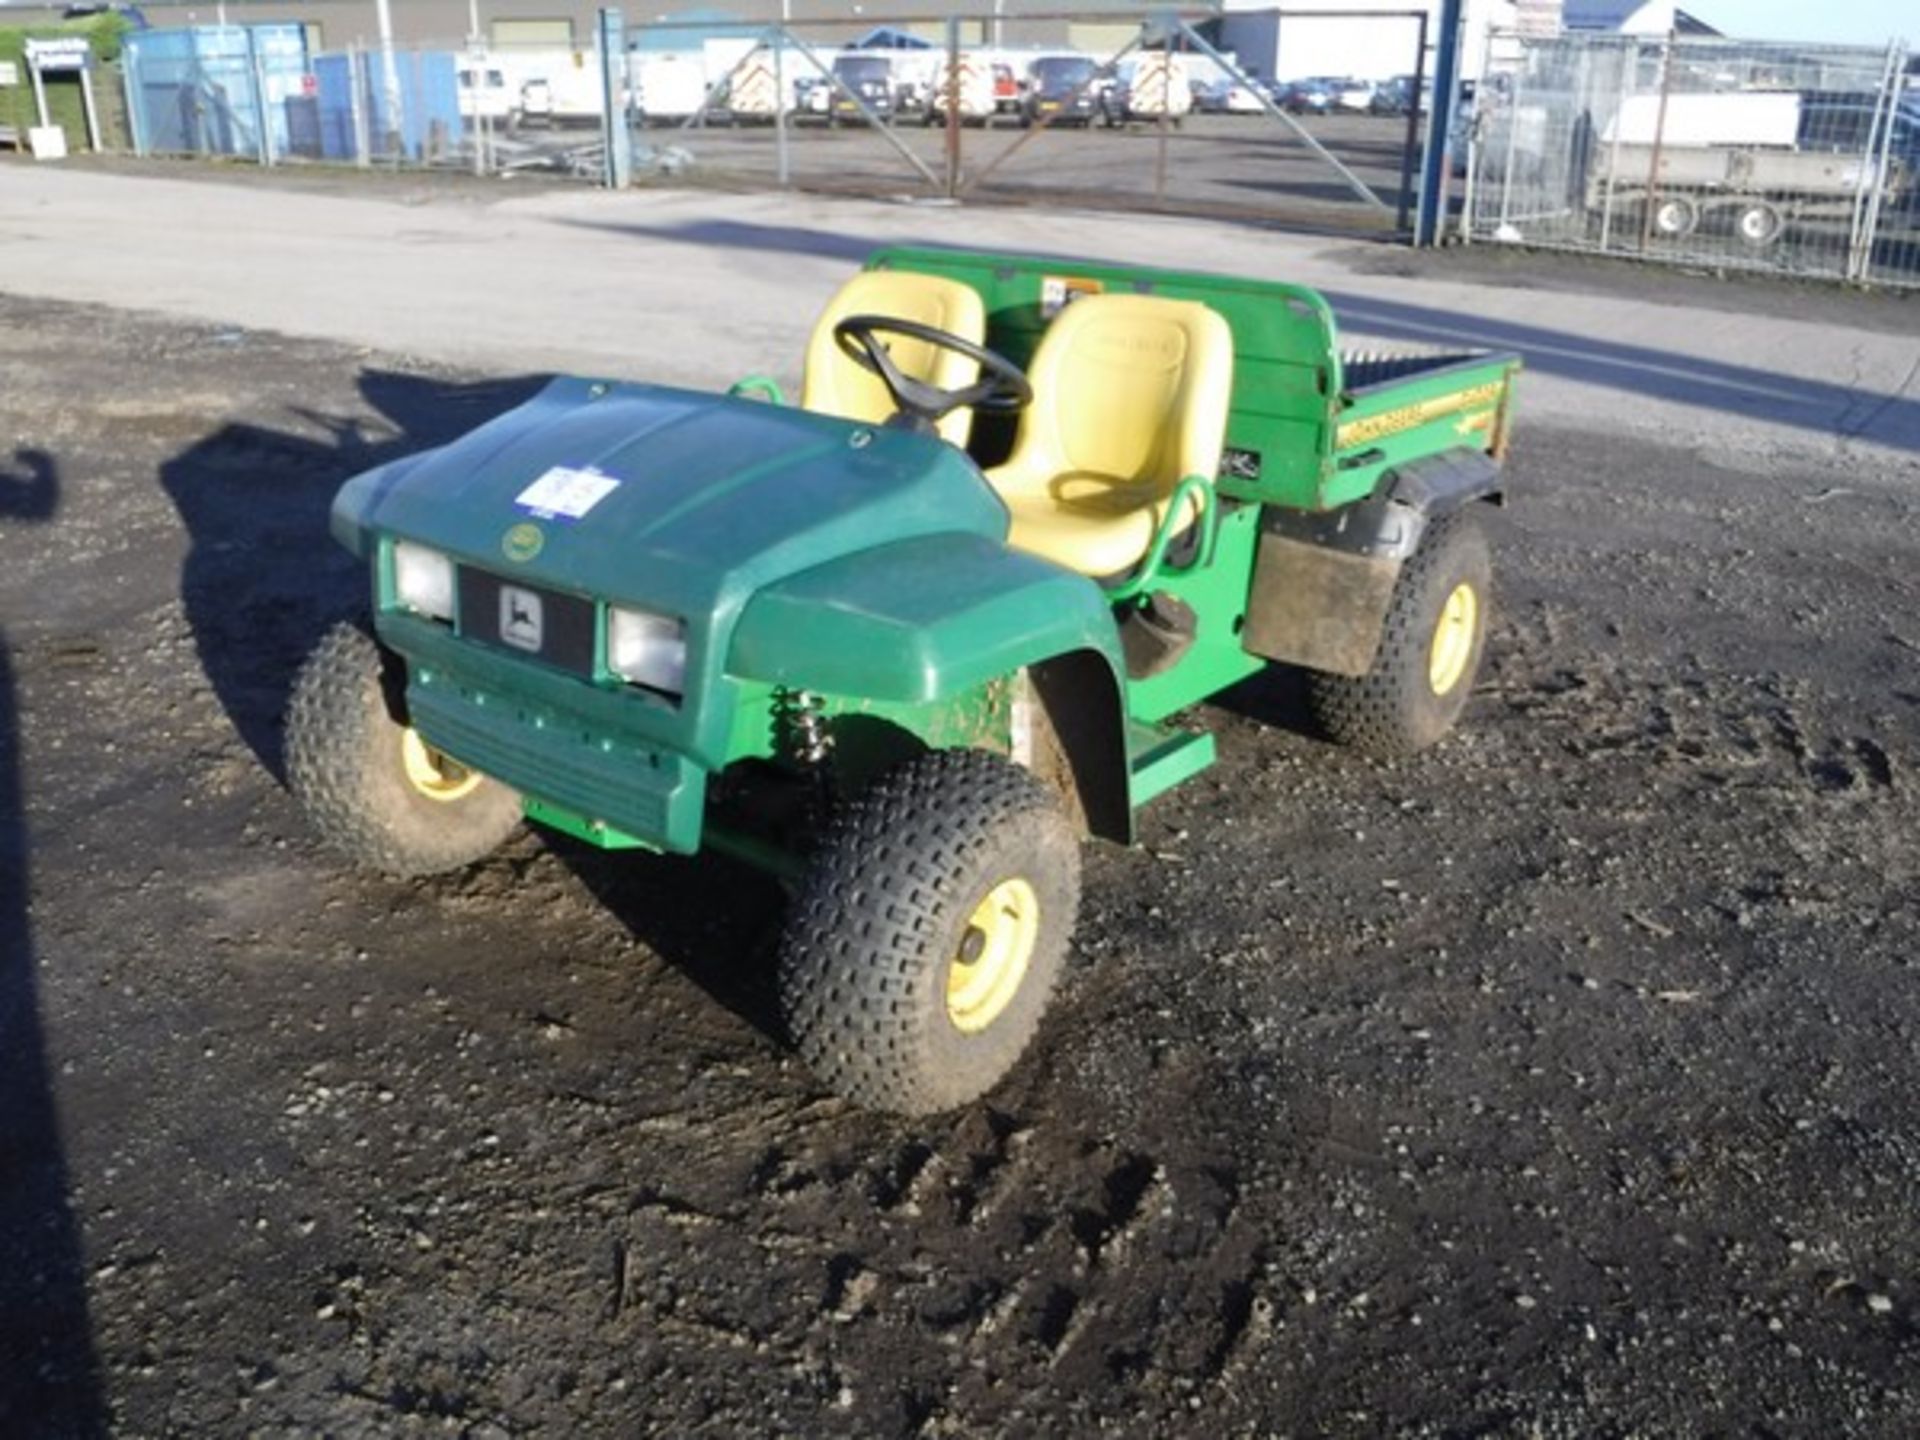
(836,384)
(1130,395)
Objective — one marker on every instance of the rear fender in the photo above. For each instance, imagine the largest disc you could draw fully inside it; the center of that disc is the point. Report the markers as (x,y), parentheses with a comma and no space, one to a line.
(1322,580)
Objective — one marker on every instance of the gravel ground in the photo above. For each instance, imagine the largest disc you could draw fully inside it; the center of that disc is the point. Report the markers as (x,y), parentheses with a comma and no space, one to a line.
(1557,1084)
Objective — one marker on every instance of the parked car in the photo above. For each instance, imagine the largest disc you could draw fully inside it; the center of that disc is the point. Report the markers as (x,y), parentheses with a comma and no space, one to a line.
(1393,97)
(1351,95)
(1060,90)
(1303,97)
(868,76)
(1227,97)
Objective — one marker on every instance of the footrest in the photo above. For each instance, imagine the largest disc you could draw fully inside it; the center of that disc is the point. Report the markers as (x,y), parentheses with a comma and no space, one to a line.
(1161,759)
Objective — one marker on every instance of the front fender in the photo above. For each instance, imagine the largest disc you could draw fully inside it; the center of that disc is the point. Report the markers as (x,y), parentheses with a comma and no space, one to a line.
(920,621)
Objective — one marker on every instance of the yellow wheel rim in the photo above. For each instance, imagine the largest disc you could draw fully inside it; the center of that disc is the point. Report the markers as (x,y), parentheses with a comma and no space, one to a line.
(1453,639)
(993,956)
(431,773)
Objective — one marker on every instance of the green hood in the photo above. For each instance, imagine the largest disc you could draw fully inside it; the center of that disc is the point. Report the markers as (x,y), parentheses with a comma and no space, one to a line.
(715,496)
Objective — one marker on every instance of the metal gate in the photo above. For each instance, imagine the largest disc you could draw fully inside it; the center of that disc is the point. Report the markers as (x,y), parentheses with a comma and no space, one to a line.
(1076,107)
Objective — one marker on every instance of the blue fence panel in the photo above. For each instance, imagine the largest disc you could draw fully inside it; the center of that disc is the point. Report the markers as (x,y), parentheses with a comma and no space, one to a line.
(210,89)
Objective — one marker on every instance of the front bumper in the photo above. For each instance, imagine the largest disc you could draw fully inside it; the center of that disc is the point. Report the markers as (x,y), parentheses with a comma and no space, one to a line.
(554,739)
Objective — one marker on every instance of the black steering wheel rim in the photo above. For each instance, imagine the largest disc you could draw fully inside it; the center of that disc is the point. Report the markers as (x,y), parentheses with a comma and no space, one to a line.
(1001,390)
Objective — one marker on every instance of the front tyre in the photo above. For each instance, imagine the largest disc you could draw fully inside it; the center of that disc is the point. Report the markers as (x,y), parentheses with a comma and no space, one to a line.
(929,931)
(1430,649)
(375,790)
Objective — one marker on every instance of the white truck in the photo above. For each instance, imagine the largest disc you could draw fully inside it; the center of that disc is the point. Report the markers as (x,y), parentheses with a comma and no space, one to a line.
(1756,161)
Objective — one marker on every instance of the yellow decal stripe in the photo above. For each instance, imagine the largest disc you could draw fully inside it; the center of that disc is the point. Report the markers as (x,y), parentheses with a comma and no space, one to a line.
(1412,417)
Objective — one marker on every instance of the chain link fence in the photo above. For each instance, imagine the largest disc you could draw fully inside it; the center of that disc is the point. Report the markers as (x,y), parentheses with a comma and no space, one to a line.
(1800,159)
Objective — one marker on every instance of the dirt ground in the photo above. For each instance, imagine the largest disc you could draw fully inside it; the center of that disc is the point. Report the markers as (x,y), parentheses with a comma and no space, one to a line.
(1558,1084)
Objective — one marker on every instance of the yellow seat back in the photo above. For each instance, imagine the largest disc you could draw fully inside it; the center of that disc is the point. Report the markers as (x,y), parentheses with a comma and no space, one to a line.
(1130,394)
(835,384)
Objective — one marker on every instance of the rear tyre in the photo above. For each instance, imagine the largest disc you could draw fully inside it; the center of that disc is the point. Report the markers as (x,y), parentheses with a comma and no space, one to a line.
(374,790)
(929,931)
(1430,649)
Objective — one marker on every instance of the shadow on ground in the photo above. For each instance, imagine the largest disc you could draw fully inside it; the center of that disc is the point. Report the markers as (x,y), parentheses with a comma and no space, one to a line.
(49,1377)
(263,580)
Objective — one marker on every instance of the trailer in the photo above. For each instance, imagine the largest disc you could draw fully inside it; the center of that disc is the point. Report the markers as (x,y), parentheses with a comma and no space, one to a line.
(1754,163)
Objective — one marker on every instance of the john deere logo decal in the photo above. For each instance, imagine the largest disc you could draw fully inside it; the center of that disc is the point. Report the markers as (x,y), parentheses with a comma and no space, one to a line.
(522,542)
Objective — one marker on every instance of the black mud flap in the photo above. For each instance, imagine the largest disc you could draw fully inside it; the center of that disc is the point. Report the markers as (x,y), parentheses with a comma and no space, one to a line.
(1322,581)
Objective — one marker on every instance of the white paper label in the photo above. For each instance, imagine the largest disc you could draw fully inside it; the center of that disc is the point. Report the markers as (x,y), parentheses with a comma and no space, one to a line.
(564,493)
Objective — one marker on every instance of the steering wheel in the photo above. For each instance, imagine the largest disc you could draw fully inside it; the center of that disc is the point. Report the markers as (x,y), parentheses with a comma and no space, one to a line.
(1001,390)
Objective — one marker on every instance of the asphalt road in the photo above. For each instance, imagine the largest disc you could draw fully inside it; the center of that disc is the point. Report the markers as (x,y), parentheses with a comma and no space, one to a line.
(1556,1084)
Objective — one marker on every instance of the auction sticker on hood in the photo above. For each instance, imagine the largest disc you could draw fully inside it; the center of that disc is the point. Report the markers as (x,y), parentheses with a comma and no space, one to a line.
(564,493)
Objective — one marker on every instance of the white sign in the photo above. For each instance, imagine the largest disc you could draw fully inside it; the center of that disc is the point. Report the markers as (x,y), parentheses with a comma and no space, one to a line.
(73,52)
(566,493)
(9,72)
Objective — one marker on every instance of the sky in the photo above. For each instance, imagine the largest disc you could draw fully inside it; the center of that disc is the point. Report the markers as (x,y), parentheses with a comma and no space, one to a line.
(1843,22)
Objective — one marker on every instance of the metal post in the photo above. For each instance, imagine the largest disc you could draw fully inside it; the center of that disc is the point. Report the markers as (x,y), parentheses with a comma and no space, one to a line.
(389,76)
(264,138)
(782,162)
(1873,169)
(1470,185)
(1446,98)
(477,67)
(953,106)
(1412,142)
(1659,136)
(357,87)
(39,92)
(1166,104)
(1629,57)
(1513,146)
(86,106)
(611,42)
(136,113)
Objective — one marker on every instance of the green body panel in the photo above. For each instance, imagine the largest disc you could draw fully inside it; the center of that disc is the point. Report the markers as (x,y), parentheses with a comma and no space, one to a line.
(1218,594)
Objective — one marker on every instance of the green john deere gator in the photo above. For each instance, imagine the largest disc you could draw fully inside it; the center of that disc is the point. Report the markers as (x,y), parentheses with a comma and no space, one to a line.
(906,641)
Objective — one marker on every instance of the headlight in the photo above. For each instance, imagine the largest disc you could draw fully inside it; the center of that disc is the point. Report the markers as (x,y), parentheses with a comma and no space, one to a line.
(647,649)
(423,580)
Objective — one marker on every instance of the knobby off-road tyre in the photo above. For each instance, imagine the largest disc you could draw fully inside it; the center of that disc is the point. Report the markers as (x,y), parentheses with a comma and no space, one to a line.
(371,787)
(1430,649)
(925,941)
